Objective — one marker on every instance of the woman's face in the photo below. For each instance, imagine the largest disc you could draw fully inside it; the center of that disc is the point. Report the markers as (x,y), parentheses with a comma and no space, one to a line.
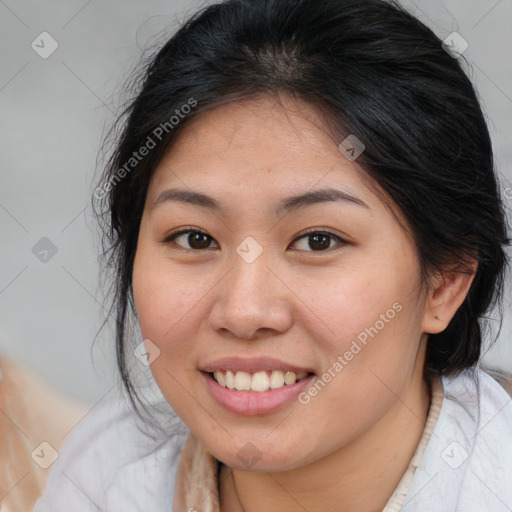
(256,293)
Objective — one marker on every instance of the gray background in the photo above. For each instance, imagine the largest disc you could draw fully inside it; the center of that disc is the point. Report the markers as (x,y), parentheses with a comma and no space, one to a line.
(53,114)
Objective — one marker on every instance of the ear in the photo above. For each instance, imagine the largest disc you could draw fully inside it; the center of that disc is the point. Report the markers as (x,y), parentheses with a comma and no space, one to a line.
(446,294)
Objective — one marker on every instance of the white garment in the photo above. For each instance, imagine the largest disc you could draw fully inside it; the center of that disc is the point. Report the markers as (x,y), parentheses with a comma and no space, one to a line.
(109,464)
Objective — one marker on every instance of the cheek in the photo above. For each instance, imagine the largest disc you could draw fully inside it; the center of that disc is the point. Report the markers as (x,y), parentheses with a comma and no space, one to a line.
(166,301)
(348,305)
(168,312)
(368,352)
(366,322)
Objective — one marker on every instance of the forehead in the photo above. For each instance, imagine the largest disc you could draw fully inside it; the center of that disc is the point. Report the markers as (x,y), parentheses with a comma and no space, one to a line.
(260,142)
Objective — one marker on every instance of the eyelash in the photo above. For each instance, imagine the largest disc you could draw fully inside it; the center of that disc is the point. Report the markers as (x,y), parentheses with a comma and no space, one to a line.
(190,229)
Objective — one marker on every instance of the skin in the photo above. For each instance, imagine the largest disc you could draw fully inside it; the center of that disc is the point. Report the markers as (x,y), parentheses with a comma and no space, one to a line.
(349,446)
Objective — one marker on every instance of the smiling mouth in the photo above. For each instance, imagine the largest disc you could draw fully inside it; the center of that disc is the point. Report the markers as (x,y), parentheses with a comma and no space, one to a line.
(257,382)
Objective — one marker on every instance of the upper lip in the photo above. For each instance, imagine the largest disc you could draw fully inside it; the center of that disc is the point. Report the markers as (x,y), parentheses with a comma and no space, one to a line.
(253,365)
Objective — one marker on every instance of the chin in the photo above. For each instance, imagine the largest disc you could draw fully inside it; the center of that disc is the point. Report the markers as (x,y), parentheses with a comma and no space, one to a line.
(252,456)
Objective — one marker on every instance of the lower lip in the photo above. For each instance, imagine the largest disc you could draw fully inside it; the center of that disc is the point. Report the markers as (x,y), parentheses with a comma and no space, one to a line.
(252,403)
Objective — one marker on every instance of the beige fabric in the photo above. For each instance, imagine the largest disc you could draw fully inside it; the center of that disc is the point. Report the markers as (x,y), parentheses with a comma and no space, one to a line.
(31,412)
(197,482)
(197,487)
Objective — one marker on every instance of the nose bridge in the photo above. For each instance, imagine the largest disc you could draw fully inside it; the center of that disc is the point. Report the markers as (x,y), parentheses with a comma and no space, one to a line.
(247,286)
(251,298)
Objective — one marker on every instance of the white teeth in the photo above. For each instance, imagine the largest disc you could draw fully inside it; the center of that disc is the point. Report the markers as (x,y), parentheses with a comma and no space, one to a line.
(242,381)
(230,380)
(219,377)
(258,382)
(290,378)
(276,380)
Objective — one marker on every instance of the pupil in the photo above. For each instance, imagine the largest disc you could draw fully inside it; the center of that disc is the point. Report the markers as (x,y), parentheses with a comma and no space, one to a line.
(321,240)
(198,240)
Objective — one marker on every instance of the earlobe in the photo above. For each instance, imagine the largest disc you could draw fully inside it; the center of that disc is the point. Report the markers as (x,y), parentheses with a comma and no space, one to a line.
(446,295)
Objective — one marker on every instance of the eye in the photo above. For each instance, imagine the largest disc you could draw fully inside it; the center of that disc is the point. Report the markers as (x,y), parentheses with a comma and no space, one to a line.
(318,241)
(197,240)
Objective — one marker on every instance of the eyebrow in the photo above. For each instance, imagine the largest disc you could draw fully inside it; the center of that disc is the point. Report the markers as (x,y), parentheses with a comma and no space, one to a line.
(286,205)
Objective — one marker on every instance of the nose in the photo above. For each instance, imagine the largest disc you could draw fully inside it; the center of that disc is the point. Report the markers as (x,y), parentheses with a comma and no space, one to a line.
(251,302)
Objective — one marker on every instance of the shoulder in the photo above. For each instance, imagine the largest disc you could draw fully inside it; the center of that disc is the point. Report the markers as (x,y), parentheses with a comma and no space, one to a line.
(502,378)
(468,460)
(476,416)
(481,396)
(486,438)
(113,460)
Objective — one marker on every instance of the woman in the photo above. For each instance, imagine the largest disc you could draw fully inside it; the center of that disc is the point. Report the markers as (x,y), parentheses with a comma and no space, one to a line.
(304,220)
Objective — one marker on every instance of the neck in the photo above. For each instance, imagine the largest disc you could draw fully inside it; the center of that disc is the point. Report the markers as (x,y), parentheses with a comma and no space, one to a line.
(359,477)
